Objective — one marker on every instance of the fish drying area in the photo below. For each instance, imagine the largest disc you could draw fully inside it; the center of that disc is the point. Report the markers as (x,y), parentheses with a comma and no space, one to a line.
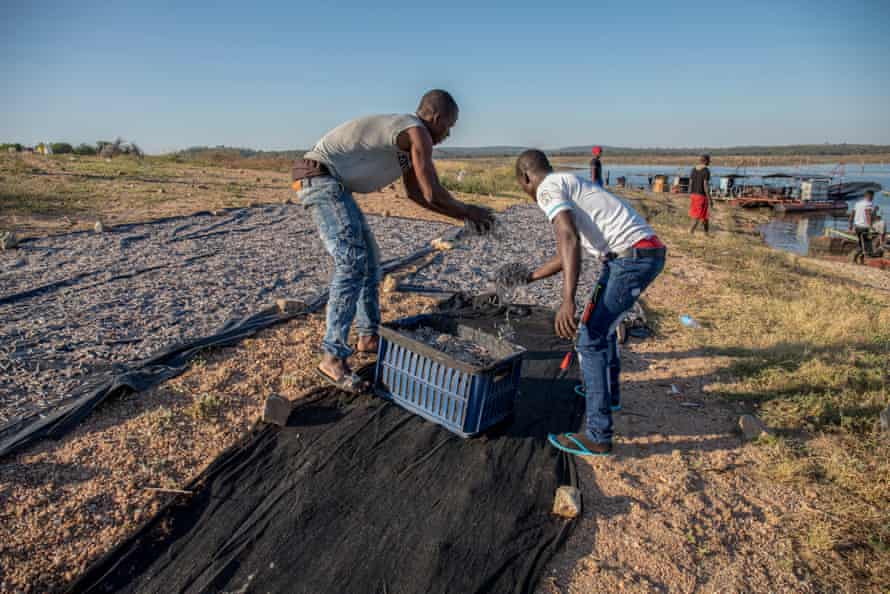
(77,304)
(521,235)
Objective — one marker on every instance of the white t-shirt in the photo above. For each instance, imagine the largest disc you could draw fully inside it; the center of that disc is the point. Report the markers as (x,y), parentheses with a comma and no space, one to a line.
(604,222)
(860,212)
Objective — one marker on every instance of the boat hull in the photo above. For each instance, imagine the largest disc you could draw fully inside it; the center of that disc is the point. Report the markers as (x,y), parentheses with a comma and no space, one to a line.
(811,206)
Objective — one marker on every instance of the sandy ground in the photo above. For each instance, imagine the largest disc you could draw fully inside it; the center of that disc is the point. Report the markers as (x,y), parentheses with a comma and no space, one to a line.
(675,509)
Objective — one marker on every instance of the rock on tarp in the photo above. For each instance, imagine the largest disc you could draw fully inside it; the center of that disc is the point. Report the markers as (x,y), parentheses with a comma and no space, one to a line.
(357,495)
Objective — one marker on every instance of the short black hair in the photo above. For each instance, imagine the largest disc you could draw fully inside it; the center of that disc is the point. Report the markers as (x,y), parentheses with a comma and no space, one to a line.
(532,161)
(439,102)
(705,158)
(869,193)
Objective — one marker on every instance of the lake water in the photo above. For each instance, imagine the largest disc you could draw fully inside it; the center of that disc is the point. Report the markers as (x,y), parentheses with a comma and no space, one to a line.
(790,232)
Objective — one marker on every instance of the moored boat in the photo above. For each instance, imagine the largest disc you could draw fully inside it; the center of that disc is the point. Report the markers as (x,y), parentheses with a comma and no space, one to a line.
(810,205)
(852,190)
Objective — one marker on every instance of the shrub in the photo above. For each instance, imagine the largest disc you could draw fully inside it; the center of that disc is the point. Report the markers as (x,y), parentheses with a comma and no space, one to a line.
(84,149)
(61,148)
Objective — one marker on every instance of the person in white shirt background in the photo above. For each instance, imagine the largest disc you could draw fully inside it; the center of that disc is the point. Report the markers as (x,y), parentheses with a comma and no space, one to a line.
(861,221)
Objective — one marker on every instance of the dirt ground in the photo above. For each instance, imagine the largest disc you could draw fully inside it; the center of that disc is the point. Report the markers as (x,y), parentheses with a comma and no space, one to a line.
(677,509)
(685,505)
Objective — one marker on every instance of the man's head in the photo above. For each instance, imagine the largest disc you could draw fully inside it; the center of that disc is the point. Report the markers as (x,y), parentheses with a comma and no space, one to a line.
(439,112)
(597,151)
(532,167)
(869,195)
(705,160)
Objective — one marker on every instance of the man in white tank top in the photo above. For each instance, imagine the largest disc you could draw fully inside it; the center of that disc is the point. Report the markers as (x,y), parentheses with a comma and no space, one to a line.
(364,155)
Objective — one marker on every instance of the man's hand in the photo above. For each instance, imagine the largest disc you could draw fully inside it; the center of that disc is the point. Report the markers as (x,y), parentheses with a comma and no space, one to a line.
(566,325)
(482,218)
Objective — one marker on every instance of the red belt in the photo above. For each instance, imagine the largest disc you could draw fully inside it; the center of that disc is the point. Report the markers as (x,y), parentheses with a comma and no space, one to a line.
(649,242)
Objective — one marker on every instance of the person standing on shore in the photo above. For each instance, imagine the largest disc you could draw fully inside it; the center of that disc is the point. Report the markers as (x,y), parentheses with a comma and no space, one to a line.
(596,167)
(585,215)
(700,194)
(860,221)
(364,155)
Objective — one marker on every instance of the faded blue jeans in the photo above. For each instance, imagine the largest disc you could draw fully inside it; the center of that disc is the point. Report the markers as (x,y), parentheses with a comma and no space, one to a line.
(356,278)
(623,280)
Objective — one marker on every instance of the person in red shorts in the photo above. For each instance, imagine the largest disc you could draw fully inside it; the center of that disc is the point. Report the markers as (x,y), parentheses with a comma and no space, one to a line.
(700,194)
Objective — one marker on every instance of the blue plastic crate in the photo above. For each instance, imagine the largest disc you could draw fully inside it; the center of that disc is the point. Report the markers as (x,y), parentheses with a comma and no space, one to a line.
(461,397)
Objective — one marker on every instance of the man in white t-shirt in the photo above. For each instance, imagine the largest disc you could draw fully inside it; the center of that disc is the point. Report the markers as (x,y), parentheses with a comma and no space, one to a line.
(585,215)
(861,221)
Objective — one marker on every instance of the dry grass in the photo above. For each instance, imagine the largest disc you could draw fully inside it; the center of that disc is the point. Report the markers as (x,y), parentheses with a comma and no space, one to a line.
(492,177)
(40,195)
(808,351)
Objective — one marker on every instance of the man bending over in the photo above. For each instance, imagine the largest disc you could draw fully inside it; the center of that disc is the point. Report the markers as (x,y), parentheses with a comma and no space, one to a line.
(585,215)
(364,155)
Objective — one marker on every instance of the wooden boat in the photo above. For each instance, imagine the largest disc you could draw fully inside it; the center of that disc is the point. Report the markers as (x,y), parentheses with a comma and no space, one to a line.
(851,190)
(810,205)
(754,202)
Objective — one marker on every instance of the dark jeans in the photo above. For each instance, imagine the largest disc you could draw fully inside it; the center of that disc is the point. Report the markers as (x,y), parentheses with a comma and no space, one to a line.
(623,280)
(356,278)
(863,238)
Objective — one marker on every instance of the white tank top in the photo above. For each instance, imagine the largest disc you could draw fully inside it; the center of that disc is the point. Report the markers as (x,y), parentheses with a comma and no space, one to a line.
(363,153)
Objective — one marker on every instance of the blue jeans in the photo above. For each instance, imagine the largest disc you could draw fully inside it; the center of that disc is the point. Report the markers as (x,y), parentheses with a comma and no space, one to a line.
(356,278)
(613,362)
(623,280)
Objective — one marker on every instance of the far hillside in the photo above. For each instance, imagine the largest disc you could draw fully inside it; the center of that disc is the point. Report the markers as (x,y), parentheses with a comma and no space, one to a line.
(775,155)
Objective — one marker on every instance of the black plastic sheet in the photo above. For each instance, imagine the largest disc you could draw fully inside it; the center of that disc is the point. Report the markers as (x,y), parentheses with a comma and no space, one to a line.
(358,495)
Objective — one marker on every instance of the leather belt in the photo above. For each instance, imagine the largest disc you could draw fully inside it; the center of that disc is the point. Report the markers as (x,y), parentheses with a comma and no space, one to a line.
(311,169)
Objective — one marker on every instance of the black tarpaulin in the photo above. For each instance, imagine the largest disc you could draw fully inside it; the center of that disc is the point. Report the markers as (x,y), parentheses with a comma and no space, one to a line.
(357,495)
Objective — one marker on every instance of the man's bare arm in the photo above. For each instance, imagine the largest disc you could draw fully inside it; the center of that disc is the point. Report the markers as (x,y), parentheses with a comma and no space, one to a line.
(568,246)
(427,191)
(412,188)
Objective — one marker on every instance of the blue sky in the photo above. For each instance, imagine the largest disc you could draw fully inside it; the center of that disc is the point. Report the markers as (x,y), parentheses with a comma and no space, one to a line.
(277,75)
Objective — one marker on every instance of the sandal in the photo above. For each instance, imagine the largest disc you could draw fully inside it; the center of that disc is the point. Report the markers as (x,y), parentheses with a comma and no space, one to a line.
(348,382)
(582,450)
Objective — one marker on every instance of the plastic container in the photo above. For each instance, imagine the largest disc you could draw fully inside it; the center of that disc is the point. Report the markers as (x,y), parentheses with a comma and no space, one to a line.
(463,398)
